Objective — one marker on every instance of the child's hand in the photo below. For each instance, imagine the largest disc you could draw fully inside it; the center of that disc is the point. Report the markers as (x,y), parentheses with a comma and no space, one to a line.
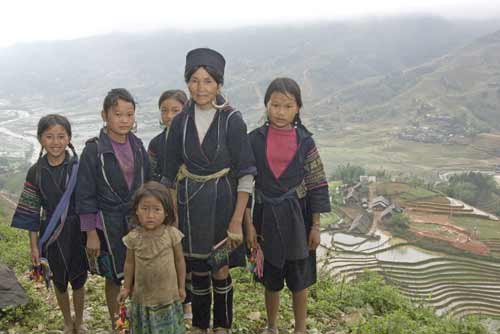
(123,295)
(93,243)
(182,294)
(250,235)
(314,238)
(35,256)
(235,234)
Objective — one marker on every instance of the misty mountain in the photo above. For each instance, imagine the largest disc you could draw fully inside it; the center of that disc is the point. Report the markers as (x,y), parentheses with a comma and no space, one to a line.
(460,90)
(346,69)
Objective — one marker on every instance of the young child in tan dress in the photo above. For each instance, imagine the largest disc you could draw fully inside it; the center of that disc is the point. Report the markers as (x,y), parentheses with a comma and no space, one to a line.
(154,267)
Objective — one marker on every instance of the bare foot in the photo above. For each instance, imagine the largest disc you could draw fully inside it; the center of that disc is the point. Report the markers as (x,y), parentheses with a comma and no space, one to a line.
(81,329)
(69,329)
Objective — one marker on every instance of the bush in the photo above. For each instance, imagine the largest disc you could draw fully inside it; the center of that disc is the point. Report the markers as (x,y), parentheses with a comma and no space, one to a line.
(349,174)
(398,224)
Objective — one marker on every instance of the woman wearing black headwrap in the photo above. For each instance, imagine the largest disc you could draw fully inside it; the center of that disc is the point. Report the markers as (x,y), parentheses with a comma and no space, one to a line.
(210,158)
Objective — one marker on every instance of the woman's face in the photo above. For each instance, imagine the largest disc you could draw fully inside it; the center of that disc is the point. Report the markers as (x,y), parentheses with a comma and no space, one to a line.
(281,110)
(168,109)
(203,88)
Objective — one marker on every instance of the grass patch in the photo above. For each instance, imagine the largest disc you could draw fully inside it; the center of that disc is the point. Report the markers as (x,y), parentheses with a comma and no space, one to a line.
(404,191)
(426,227)
(488,229)
(330,308)
(416,193)
(334,184)
(13,182)
(14,247)
(38,315)
(378,148)
(329,218)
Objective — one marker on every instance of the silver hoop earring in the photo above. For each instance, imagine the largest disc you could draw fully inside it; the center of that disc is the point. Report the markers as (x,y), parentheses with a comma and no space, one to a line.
(104,124)
(296,120)
(134,127)
(222,106)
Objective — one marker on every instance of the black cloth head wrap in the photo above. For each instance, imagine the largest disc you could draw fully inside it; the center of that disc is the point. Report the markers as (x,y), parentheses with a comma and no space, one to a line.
(205,57)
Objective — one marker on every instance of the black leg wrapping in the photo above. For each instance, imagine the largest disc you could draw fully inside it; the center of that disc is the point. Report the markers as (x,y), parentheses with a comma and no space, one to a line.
(202,300)
(223,302)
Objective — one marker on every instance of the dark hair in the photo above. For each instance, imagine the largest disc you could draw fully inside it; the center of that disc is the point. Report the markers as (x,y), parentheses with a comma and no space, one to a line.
(176,94)
(161,193)
(51,120)
(114,95)
(285,86)
(219,79)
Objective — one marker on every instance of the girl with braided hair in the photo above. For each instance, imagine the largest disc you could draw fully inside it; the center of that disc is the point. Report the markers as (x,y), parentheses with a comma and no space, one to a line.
(46,209)
(291,191)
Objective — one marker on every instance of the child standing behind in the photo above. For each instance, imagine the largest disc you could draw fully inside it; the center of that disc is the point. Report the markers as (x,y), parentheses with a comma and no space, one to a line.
(290,193)
(55,235)
(170,103)
(155,270)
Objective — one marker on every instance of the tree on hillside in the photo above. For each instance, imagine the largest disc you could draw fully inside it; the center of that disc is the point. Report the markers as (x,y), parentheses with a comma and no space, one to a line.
(382,174)
(349,174)
(399,223)
(472,187)
(464,191)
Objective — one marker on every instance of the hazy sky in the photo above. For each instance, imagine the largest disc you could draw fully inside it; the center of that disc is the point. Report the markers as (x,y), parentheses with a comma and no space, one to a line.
(22,21)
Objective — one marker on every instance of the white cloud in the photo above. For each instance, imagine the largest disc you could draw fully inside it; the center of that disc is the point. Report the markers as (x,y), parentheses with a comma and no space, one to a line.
(61,19)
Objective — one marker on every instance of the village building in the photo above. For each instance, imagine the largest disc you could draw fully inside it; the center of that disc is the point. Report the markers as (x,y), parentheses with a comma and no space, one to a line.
(367,179)
(380,203)
(361,224)
(352,198)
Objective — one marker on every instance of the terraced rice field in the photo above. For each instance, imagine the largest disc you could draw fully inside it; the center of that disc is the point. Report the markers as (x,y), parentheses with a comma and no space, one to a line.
(454,285)
(493,245)
(456,223)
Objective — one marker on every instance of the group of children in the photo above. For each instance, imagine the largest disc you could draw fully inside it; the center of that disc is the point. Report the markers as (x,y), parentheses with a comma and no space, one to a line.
(148,221)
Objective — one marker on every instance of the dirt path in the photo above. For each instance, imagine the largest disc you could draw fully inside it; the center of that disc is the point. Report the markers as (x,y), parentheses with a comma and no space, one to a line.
(376,215)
